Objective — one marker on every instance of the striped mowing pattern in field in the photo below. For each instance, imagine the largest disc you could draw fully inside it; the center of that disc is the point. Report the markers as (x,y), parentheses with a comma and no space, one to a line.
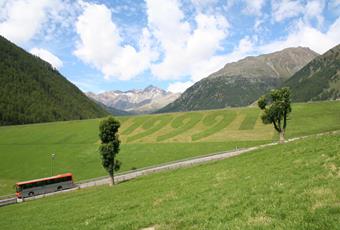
(195,126)
(25,150)
(150,126)
(249,122)
(214,122)
(181,124)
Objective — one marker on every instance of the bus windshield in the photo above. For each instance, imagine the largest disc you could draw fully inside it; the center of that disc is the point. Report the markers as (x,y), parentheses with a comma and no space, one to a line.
(18,188)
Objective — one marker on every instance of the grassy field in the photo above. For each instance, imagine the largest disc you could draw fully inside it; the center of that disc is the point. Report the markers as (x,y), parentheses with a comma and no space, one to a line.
(146,140)
(291,186)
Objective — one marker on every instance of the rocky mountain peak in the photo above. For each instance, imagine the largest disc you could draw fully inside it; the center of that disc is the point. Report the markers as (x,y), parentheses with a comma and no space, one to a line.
(280,64)
(241,83)
(136,100)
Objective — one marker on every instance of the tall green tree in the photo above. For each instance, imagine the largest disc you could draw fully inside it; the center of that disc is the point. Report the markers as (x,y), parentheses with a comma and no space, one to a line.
(109,148)
(276,106)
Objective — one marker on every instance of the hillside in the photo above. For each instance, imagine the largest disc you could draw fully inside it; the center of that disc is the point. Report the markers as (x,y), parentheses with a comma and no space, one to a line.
(241,83)
(319,79)
(114,111)
(32,91)
(136,101)
(111,110)
(146,139)
(291,186)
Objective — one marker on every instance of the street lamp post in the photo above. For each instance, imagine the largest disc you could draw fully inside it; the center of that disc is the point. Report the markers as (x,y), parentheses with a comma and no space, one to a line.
(52,159)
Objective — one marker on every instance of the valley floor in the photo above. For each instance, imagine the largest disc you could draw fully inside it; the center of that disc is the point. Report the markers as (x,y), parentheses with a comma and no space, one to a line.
(291,186)
(25,151)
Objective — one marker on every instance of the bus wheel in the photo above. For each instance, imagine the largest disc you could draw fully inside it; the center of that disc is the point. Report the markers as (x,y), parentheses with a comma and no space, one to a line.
(59,188)
(31,194)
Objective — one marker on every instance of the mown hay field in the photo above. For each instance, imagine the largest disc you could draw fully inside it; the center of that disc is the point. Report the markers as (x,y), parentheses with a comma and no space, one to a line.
(25,151)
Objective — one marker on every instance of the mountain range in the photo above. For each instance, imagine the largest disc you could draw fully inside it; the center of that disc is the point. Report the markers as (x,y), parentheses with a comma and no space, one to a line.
(33,91)
(135,101)
(241,83)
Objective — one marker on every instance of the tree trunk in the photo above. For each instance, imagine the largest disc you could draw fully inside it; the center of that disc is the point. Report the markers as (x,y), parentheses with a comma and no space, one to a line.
(112,179)
(282,137)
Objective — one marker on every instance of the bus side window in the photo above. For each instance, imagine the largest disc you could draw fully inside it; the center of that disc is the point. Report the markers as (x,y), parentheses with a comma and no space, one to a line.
(39,183)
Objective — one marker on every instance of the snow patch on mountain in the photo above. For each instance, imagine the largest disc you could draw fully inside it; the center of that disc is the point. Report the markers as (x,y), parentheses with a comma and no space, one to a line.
(137,101)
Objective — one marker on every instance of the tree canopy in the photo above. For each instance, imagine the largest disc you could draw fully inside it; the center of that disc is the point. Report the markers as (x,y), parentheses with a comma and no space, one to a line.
(109,148)
(276,106)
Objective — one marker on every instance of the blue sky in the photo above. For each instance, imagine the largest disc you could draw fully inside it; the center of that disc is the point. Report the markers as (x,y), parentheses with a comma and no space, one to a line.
(108,45)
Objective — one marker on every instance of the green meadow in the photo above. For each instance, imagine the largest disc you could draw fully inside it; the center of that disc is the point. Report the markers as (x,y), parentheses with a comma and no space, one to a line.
(25,151)
(290,186)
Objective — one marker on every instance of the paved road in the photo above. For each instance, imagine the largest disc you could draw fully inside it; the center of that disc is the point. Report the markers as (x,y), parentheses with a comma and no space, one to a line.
(167,166)
(141,172)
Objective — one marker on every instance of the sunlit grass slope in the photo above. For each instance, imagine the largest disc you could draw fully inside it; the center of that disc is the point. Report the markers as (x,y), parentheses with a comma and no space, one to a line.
(291,186)
(146,140)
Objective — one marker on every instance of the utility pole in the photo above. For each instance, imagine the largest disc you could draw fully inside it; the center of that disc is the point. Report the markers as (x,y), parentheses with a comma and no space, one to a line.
(52,159)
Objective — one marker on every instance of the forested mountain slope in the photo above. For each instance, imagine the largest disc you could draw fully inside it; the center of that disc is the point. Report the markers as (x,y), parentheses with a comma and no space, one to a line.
(318,80)
(33,91)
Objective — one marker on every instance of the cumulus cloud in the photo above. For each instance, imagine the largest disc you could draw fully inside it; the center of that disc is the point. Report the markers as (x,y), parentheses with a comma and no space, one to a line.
(101,45)
(286,9)
(334,6)
(179,87)
(22,19)
(244,48)
(311,10)
(205,5)
(47,56)
(254,7)
(187,51)
(314,9)
(305,35)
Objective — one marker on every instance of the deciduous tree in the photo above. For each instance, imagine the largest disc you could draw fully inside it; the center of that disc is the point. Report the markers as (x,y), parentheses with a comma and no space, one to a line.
(276,106)
(109,148)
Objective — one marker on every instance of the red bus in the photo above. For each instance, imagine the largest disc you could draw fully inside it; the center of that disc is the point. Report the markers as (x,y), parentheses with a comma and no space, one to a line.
(44,185)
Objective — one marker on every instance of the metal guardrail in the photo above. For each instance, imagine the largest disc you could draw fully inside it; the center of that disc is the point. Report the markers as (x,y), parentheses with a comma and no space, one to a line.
(7,196)
(8,201)
(123,176)
(157,165)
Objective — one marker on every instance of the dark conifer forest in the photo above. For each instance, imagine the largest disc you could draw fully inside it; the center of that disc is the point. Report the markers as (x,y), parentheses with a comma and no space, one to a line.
(32,91)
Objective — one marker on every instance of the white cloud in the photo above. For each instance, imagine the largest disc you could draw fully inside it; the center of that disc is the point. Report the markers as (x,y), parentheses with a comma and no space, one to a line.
(254,7)
(188,51)
(244,48)
(179,87)
(307,36)
(100,44)
(47,56)
(286,9)
(201,70)
(204,5)
(22,19)
(313,10)
(334,6)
